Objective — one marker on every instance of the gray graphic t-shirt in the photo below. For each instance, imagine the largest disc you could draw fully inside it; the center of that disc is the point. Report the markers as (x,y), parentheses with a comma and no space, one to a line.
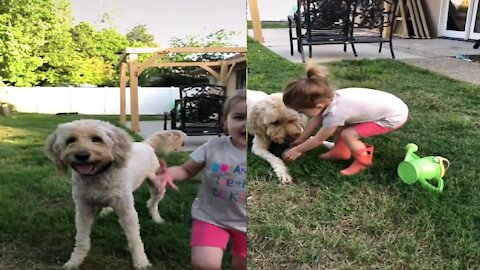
(222,197)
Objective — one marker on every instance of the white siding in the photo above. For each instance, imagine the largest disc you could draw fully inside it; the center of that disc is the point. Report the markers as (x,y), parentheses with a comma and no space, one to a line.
(101,100)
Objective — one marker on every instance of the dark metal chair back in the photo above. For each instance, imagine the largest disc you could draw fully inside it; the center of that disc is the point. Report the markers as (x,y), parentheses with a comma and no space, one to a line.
(374,15)
(326,14)
(321,22)
(201,109)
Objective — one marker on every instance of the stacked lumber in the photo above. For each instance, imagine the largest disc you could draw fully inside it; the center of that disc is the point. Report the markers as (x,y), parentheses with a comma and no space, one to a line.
(411,21)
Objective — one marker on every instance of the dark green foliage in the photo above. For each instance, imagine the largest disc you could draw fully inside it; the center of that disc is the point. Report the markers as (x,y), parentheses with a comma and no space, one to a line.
(39,46)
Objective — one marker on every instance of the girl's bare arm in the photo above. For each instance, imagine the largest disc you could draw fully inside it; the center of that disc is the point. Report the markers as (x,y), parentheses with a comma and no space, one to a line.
(312,125)
(186,171)
(316,140)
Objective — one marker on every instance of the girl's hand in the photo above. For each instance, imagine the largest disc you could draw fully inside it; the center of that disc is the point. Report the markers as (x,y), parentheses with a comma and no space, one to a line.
(291,155)
(296,142)
(163,178)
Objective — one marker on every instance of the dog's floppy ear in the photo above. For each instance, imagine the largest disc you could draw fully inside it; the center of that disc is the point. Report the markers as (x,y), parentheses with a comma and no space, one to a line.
(122,145)
(303,120)
(255,121)
(53,152)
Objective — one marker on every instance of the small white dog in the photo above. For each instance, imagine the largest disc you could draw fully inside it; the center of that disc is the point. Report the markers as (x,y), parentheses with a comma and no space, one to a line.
(107,168)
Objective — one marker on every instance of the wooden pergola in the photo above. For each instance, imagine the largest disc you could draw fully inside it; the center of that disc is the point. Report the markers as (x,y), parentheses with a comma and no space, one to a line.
(131,68)
(256,22)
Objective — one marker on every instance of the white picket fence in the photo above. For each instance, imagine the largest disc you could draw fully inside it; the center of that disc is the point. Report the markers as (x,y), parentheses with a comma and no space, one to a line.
(83,100)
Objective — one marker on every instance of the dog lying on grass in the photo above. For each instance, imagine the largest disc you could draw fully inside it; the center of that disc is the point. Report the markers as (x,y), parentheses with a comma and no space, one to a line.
(270,121)
(107,168)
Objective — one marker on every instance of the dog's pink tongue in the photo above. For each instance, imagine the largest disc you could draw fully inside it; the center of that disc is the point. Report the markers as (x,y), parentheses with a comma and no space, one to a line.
(84,168)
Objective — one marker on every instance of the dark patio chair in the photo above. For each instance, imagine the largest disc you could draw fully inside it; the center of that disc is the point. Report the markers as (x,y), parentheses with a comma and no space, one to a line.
(371,19)
(199,110)
(318,22)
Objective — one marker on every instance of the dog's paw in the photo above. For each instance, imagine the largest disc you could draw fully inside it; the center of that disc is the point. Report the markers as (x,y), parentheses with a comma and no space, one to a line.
(157,219)
(70,265)
(141,265)
(285,179)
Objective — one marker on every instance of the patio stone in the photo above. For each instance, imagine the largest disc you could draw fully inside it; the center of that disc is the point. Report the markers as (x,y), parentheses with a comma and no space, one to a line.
(437,55)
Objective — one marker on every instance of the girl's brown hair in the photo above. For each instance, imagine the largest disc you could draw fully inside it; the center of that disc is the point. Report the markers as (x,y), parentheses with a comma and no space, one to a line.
(304,93)
(240,95)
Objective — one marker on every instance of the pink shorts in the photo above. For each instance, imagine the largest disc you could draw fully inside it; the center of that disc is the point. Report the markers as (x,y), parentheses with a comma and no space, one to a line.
(370,129)
(206,234)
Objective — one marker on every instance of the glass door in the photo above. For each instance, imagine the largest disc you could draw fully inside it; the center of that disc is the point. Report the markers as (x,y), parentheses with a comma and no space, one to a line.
(475,25)
(459,18)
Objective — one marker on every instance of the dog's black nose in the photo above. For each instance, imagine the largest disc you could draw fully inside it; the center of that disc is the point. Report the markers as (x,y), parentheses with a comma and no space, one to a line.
(82,156)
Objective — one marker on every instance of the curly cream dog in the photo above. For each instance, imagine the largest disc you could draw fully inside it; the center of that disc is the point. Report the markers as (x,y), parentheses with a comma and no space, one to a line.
(107,168)
(269,120)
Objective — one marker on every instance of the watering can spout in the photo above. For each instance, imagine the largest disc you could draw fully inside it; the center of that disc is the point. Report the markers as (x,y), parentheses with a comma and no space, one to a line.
(411,149)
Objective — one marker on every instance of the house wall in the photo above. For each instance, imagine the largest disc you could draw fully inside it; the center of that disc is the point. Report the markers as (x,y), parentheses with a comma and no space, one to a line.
(231,82)
(101,100)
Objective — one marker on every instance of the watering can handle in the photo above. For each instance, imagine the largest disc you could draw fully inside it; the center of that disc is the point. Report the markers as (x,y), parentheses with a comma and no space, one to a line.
(440,184)
(431,187)
(444,160)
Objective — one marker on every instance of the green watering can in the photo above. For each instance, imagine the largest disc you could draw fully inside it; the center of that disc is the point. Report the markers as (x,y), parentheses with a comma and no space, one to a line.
(423,170)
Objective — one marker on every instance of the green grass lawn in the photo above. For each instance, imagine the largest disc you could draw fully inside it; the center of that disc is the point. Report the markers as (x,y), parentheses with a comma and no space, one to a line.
(37,212)
(270,24)
(372,220)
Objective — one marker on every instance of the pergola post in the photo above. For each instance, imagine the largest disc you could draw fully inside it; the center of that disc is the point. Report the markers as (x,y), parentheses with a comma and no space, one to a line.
(223,73)
(129,63)
(123,100)
(256,23)
(134,114)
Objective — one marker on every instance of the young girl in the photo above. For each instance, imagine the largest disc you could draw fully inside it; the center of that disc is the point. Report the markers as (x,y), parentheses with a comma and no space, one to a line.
(349,114)
(219,211)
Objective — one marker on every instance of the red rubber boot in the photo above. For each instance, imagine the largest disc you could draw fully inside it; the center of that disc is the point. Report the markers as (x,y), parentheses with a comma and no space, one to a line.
(339,151)
(363,159)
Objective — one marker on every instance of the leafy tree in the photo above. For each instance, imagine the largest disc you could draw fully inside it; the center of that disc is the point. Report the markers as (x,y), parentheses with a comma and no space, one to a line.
(33,38)
(39,46)
(216,39)
(100,52)
(176,75)
(83,35)
(110,45)
(139,37)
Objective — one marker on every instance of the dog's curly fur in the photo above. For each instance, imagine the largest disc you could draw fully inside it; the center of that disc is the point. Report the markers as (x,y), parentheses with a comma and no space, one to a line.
(107,168)
(269,120)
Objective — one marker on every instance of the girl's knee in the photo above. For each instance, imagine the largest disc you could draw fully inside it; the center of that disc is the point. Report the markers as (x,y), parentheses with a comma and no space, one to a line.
(349,133)
(207,258)
(206,264)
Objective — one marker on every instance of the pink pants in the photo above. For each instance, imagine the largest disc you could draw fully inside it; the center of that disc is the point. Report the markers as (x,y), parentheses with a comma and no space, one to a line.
(370,129)
(206,234)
